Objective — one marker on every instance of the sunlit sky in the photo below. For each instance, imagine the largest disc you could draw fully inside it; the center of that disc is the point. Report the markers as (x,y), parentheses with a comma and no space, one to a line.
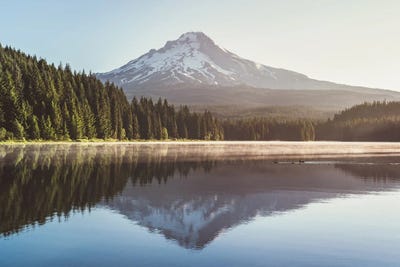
(347,41)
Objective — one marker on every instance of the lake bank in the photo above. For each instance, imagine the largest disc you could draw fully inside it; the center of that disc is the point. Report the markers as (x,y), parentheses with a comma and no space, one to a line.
(237,148)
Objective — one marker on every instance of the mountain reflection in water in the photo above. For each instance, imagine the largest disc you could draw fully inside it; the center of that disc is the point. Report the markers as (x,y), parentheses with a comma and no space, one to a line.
(186,198)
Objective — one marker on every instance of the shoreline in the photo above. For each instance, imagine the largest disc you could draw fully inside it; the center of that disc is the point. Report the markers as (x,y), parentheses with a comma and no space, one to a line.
(237,149)
(193,142)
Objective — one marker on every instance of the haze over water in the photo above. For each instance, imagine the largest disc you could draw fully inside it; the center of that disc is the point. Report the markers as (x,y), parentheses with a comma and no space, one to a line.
(198,205)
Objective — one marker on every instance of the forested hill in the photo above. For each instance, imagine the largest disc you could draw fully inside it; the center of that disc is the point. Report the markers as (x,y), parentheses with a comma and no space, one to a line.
(374,110)
(42,101)
(376,121)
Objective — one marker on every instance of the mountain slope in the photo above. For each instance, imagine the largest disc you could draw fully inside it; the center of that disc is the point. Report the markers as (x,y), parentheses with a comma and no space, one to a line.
(194,65)
(195,59)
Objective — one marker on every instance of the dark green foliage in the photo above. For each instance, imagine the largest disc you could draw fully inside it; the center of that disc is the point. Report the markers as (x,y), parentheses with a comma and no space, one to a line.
(164,133)
(269,129)
(33,130)
(162,121)
(3,134)
(376,121)
(293,112)
(41,101)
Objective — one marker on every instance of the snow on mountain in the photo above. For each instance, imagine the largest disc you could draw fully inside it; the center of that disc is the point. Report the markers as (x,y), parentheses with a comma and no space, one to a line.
(195,59)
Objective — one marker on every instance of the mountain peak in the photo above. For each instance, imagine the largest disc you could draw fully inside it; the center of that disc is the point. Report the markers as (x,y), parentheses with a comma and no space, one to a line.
(194,37)
(194,40)
(191,35)
(194,60)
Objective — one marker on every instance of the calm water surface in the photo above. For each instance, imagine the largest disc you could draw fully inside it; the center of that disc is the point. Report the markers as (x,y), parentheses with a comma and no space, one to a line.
(166,205)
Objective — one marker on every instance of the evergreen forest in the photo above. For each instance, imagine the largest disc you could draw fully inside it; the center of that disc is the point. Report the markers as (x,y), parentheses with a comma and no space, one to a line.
(39,101)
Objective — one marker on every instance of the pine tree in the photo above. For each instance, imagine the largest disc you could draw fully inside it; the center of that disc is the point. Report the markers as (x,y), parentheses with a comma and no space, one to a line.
(48,131)
(33,130)
(164,133)
(135,128)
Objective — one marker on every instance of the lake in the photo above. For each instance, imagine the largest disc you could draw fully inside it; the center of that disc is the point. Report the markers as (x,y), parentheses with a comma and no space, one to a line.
(200,204)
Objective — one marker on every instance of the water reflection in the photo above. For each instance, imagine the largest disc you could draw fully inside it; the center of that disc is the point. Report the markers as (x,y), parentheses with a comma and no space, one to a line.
(189,195)
(194,210)
(39,182)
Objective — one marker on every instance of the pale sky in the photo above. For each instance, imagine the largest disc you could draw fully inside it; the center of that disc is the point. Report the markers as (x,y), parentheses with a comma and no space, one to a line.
(347,41)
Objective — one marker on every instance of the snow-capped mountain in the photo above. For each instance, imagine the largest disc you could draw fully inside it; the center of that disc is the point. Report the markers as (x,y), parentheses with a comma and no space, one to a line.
(195,59)
(189,69)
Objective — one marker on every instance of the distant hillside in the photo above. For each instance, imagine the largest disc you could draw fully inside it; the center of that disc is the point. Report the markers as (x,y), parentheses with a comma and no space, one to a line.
(373,110)
(272,111)
(244,97)
(377,121)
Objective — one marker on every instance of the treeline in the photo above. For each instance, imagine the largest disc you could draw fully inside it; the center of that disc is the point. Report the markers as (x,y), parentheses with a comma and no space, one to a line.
(376,121)
(42,101)
(269,129)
